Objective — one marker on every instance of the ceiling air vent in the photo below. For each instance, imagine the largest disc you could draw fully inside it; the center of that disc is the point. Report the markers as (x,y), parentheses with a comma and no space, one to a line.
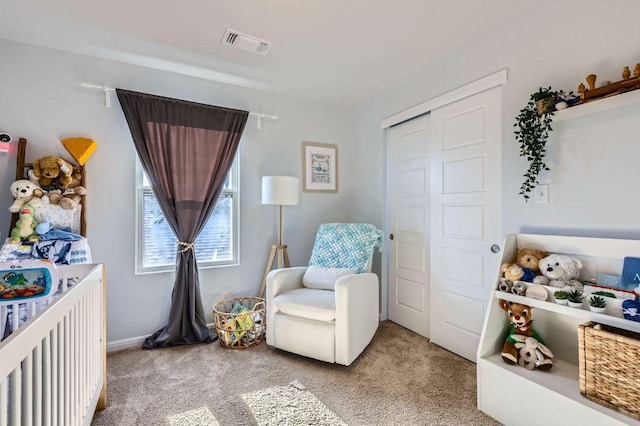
(246,42)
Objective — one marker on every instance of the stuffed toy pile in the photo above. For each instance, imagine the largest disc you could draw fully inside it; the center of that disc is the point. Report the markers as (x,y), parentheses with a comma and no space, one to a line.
(534,266)
(523,345)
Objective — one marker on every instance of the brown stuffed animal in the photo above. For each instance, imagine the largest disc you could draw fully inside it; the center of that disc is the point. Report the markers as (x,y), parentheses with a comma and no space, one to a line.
(518,348)
(528,259)
(511,271)
(53,172)
(68,199)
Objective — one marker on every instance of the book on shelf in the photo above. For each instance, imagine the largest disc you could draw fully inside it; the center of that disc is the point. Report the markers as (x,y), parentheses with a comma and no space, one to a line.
(630,273)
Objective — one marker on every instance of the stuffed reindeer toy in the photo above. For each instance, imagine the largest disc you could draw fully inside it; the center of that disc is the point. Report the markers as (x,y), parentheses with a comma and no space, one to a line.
(523,345)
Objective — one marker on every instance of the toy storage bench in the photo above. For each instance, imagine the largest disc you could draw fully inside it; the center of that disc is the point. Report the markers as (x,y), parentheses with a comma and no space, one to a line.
(514,395)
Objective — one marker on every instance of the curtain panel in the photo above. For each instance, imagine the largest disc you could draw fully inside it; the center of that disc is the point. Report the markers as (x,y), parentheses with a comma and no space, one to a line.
(186,150)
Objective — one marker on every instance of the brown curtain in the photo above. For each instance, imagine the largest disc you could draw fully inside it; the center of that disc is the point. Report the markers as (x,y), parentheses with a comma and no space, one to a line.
(186,150)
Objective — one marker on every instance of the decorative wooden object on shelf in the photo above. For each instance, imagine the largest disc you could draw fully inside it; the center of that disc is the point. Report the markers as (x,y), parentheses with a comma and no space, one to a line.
(627,84)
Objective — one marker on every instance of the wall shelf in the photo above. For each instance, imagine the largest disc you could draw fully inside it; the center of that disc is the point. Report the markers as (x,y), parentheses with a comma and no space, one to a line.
(599,105)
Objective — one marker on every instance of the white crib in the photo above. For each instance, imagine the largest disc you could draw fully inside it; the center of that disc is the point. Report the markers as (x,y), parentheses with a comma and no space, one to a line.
(53,367)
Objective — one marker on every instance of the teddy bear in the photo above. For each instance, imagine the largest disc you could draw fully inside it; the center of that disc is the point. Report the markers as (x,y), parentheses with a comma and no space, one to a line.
(512,271)
(23,192)
(529,259)
(53,172)
(68,199)
(25,228)
(559,271)
(516,345)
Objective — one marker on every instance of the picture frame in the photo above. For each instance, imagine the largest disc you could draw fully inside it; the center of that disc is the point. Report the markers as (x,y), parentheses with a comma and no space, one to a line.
(319,167)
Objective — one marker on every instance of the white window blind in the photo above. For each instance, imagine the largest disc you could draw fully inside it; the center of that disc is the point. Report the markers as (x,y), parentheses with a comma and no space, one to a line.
(215,246)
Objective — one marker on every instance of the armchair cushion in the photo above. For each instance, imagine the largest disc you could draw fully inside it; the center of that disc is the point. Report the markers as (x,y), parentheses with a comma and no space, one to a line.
(319,305)
(323,278)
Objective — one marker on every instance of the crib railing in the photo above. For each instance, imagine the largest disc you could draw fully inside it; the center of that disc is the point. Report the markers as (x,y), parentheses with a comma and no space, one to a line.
(52,369)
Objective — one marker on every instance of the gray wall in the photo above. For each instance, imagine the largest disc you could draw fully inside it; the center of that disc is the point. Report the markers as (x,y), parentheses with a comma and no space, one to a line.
(594,175)
(41,100)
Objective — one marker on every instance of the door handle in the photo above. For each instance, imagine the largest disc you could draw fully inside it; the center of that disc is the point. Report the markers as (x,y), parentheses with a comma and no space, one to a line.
(495,248)
(391,236)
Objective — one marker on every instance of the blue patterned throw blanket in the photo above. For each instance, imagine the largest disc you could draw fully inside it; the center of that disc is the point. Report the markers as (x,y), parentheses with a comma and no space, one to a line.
(345,245)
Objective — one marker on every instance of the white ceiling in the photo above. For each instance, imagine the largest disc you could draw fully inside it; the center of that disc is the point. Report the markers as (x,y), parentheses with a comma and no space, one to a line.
(329,51)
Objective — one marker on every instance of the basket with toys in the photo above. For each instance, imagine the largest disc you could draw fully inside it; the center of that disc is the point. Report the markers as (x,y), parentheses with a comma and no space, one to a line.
(240,321)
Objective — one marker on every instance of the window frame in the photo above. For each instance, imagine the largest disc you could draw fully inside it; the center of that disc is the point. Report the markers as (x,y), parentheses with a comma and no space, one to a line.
(233,190)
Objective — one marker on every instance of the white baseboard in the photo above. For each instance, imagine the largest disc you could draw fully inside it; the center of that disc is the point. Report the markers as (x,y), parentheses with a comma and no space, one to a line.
(133,342)
(118,345)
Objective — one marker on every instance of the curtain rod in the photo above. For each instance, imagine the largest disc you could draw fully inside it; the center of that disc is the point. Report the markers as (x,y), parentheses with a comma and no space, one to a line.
(107,102)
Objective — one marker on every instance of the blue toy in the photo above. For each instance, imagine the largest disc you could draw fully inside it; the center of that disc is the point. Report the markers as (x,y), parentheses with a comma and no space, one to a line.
(47,232)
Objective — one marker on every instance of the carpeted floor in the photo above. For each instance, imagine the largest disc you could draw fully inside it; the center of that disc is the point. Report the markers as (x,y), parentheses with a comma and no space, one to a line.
(400,379)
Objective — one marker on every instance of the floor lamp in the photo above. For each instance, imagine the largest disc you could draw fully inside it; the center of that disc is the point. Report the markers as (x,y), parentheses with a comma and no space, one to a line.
(281,191)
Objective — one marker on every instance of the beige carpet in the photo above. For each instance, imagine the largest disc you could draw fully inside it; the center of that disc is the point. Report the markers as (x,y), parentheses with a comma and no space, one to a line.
(400,379)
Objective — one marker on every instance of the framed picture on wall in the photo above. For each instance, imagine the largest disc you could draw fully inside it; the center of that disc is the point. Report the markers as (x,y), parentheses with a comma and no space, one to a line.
(319,167)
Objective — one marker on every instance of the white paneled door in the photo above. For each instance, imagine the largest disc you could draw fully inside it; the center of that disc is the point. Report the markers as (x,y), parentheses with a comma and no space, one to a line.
(465,218)
(408,241)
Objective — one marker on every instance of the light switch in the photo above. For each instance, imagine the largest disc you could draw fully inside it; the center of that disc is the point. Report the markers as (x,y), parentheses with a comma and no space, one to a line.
(542,194)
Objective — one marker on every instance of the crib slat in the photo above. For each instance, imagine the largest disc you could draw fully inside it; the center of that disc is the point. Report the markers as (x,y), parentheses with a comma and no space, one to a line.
(74,364)
(46,380)
(83,356)
(4,402)
(67,370)
(37,385)
(3,323)
(15,317)
(27,393)
(15,402)
(55,374)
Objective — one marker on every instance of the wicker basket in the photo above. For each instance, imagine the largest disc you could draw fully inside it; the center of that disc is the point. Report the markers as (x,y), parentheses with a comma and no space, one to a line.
(240,322)
(608,360)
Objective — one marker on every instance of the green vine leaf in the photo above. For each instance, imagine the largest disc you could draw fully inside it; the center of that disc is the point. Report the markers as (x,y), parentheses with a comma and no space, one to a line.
(533,126)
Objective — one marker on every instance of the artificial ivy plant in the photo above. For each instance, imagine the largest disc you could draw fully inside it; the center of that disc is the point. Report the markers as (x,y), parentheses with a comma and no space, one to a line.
(533,127)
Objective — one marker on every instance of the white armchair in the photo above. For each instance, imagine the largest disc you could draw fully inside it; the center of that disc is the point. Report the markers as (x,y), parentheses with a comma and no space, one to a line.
(330,310)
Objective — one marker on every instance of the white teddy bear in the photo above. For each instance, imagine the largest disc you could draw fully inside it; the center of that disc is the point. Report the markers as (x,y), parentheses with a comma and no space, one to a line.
(23,191)
(559,271)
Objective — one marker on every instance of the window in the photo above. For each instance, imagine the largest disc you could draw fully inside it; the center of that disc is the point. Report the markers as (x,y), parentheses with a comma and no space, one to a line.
(156,247)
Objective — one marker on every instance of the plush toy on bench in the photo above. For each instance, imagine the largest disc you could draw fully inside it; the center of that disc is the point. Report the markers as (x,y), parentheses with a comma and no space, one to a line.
(524,346)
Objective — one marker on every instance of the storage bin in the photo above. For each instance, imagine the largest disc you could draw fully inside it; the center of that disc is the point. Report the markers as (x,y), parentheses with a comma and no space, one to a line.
(240,321)
(608,359)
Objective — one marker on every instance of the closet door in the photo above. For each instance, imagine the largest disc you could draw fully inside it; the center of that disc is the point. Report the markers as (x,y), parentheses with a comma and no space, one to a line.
(465,218)
(408,242)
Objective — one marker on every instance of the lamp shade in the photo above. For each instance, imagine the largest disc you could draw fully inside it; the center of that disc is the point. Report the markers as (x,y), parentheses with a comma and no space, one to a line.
(280,190)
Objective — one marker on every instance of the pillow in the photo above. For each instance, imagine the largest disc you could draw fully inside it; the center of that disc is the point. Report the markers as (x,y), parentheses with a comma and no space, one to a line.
(59,217)
(322,278)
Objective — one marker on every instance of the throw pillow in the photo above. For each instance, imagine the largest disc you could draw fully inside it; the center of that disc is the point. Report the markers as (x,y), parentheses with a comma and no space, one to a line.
(322,278)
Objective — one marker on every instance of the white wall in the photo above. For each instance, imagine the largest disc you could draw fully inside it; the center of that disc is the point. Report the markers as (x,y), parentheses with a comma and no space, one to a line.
(41,100)
(594,173)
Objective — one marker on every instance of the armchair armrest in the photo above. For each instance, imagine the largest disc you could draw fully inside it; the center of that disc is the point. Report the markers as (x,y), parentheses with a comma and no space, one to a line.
(279,281)
(357,314)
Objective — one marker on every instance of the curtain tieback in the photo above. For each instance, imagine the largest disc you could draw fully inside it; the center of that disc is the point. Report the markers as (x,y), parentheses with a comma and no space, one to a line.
(186,245)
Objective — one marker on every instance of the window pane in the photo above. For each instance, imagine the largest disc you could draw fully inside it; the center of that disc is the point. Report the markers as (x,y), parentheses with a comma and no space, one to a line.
(213,244)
